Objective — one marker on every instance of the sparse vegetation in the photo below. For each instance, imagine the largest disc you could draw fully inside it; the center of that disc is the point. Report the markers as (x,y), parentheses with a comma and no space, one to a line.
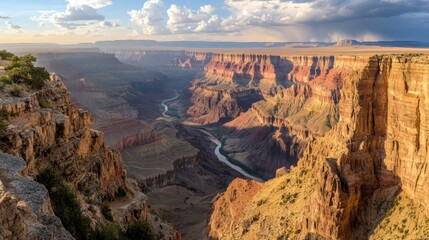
(22,70)
(67,207)
(4,120)
(43,102)
(5,80)
(139,230)
(65,204)
(107,212)
(16,91)
(5,55)
(108,231)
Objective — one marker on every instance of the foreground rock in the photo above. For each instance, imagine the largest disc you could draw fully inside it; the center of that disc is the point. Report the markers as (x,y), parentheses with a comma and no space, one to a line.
(25,208)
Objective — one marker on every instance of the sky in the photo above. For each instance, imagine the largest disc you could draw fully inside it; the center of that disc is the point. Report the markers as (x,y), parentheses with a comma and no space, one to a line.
(74,21)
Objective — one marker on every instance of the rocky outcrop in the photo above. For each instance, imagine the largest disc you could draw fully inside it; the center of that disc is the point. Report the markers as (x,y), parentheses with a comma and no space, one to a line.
(25,208)
(162,179)
(46,129)
(377,146)
(245,69)
(59,135)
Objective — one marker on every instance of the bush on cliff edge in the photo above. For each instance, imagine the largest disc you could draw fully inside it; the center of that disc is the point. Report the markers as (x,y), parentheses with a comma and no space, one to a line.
(22,70)
(65,204)
(67,207)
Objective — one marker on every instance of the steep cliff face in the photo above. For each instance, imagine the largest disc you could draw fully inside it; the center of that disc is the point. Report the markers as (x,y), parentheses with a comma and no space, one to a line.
(47,130)
(377,148)
(60,136)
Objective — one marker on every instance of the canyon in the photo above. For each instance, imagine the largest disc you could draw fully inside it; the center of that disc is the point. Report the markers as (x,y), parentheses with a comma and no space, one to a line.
(350,180)
(337,143)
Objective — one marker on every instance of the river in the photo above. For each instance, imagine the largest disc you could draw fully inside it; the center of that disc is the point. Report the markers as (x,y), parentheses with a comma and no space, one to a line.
(218,143)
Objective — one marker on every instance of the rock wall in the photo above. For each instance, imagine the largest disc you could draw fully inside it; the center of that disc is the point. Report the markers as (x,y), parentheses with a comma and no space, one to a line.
(60,136)
(378,144)
(46,129)
(25,208)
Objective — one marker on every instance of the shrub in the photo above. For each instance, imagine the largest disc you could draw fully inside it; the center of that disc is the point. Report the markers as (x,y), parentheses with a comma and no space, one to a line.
(107,212)
(5,79)
(121,192)
(139,230)
(22,70)
(4,114)
(65,204)
(5,55)
(43,102)
(16,91)
(3,125)
(108,231)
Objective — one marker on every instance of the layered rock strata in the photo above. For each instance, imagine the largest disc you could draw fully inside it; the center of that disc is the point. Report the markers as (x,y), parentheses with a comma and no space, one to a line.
(47,130)
(275,102)
(376,150)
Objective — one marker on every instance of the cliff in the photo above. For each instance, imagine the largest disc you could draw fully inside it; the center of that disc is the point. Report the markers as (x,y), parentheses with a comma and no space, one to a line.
(46,129)
(59,135)
(361,173)
(25,207)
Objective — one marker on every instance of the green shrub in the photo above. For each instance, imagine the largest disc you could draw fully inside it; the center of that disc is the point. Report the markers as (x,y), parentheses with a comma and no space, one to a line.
(16,91)
(65,204)
(121,192)
(4,114)
(107,212)
(3,125)
(5,55)
(22,70)
(5,79)
(108,231)
(139,230)
(43,102)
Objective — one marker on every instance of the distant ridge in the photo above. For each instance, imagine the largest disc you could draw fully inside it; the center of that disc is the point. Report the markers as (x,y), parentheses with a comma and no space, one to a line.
(139,44)
(347,42)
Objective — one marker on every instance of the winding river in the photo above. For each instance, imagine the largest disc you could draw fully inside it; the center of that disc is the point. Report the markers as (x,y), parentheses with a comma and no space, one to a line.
(216,141)
(164,105)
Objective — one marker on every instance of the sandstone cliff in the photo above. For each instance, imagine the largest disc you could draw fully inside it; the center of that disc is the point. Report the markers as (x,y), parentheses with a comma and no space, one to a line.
(377,150)
(46,129)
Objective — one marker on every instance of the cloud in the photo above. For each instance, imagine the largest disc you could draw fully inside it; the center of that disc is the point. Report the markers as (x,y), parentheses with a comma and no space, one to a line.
(82,13)
(290,20)
(90,3)
(4,17)
(287,12)
(149,17)
(12,27)
(207,9)
(185,20)
(79,15)
(134,33)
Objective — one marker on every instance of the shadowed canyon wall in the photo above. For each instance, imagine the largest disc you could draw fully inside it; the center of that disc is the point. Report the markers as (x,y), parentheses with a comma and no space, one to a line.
(346,181)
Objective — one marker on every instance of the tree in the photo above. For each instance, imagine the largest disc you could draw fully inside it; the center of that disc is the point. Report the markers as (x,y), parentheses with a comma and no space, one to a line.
(22,70)
(5,55)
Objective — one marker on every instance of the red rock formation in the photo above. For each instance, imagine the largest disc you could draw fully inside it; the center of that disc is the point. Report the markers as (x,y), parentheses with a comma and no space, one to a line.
(379,144)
